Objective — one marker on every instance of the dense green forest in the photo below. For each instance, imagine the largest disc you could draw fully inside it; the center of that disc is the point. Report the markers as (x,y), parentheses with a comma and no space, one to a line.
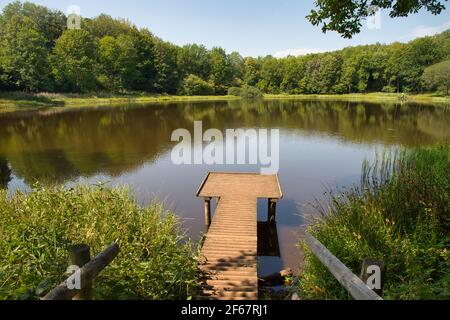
(39,54)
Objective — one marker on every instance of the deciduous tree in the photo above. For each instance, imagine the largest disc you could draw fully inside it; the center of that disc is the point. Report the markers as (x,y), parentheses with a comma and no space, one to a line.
(438,77)
(74,61)
(24,54)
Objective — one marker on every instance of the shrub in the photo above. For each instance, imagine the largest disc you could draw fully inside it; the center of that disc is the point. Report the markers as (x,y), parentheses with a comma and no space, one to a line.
(156,261)
(400,213)
(245,92)
(234,91)
(437,77)
(195,86)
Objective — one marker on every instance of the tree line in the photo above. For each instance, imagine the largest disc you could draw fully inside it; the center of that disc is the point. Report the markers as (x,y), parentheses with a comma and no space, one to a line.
(38,53)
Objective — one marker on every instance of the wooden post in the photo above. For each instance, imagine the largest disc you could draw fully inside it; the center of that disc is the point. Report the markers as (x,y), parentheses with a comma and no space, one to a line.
(373,274)
(354,285)
(272,210)
(80,255)
(87,274)
(207,213)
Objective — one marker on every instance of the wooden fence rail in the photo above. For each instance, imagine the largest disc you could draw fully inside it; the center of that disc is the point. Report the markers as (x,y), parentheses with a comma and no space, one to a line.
(352,283)
(90,269)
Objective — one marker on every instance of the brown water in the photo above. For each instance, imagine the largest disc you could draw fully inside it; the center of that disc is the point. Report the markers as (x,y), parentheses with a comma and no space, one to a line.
(322,144)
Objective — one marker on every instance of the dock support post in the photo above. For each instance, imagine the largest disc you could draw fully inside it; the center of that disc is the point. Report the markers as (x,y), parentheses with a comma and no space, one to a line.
(272,210)
(207,213)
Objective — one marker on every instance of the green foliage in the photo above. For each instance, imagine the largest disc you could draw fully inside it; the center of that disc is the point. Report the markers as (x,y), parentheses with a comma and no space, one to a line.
(321,73)
(373,68)
(194,59)
(155,261)
(221,70)
(195,86)
(3,78)
(399,213)
(251,74)
(74,61)
(24,54)
(294,71)
(246,92)
(437,77)
(48,23)
(105,25)
(37,54)
(118,60)
(168,76)
(146,68)
(237,65)
(270,75)
(346,17)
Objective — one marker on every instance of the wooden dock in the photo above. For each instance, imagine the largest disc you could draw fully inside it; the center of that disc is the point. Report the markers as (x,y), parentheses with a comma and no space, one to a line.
(230,253)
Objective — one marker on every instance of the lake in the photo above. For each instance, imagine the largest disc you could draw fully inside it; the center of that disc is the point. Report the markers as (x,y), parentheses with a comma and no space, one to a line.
(322,145)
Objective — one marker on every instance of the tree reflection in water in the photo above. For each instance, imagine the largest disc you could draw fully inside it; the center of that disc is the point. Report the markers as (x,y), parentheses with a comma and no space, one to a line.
(57,146)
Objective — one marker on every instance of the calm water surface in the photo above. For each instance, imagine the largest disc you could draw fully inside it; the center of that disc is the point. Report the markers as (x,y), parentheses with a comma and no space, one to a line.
(323,144)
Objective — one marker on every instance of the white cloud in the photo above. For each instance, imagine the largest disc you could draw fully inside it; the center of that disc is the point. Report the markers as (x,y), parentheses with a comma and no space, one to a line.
(424,31)
(297,52)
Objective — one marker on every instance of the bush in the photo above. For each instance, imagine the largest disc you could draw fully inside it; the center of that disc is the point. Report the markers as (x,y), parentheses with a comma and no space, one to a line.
(400,213)
(245,92)
(155,261)
(196,86)
(437,77)
(234,91)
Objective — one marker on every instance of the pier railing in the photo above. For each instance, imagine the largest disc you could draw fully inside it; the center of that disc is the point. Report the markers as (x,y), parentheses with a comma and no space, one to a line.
(78,286)
(352,283)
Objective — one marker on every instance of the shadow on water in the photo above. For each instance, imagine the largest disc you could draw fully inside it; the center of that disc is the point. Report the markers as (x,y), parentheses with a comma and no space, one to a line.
(5,173)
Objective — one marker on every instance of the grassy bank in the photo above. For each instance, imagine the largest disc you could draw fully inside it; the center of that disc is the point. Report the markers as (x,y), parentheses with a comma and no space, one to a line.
(400,213)
(156,260)
(19,101)
(16,101)
(377,97)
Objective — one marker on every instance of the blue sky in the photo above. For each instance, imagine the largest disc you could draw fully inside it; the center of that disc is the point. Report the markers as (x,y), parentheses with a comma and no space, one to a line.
(252,27)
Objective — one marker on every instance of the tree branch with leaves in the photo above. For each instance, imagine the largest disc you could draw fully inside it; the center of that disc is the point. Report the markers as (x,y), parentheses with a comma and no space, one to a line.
(346,16)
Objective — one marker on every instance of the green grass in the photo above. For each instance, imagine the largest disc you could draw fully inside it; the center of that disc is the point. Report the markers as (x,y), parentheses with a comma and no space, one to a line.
(156,260)
(400,213)
(369,97)
(19,101)
(13,101)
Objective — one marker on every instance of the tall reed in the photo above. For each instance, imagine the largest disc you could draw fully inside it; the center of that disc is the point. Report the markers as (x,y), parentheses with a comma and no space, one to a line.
(400,213)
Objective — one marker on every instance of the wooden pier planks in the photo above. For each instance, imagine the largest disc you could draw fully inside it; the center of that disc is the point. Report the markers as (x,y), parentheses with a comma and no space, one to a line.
(229,253)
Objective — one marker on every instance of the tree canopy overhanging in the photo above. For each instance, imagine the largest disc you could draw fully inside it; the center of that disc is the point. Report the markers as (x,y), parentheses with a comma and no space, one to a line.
(346,16)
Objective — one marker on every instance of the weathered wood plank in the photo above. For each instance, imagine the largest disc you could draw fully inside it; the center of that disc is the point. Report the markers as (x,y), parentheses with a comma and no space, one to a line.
(354,285)
(229,254)
(87,274)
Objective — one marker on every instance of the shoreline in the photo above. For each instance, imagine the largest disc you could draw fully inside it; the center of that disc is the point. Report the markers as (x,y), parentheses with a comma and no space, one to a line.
(376,97)
(17,102)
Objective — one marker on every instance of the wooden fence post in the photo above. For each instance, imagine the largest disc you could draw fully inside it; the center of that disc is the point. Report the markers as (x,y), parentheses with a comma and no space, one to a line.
(87,275)
(80,255)
(373,274)
(357,288)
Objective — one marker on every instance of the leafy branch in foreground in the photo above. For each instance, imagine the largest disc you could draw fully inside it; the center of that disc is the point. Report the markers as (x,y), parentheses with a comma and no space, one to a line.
(345,17)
